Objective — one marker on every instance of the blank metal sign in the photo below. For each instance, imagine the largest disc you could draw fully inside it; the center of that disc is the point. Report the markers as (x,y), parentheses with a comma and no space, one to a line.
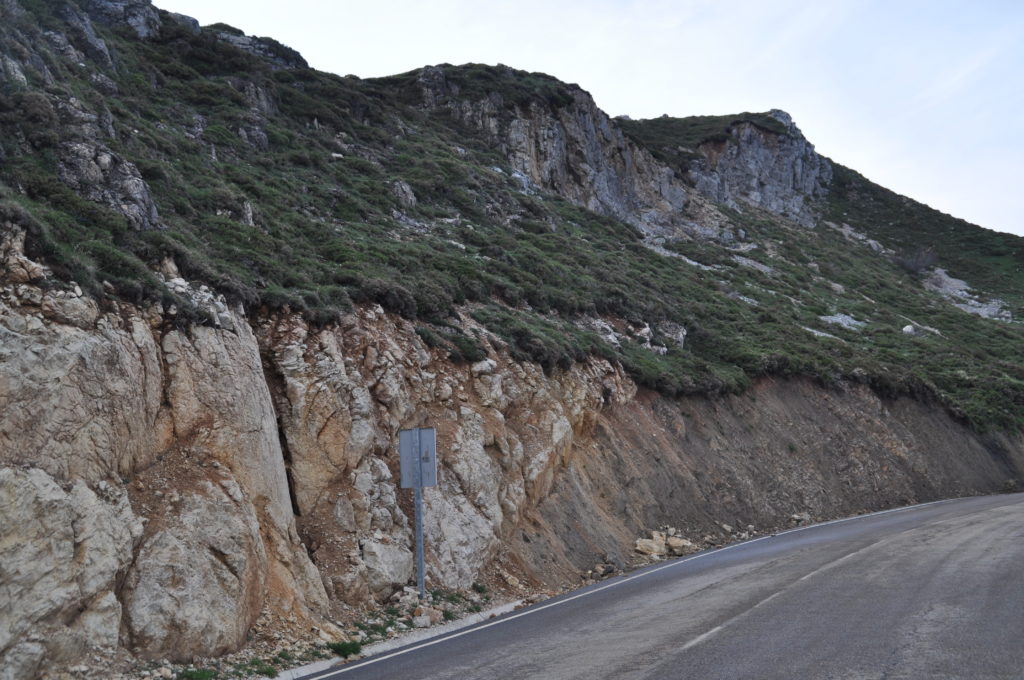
(417,450)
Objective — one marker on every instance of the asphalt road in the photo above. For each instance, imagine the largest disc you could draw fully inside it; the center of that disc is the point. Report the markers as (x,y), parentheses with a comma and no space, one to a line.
(931,591)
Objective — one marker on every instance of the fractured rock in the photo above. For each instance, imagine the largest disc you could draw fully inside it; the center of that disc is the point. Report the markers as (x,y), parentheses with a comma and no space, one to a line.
(60,554)
(388,566)
(100,175)
(198,583)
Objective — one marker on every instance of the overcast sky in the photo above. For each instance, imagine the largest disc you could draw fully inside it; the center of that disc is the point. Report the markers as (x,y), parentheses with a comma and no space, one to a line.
(925,97)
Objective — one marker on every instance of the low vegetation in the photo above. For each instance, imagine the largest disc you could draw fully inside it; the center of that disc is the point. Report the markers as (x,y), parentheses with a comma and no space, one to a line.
(301,190)
(345,649)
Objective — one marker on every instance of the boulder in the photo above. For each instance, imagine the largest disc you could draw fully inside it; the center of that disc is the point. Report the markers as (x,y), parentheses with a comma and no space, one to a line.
(403,193)
(650,546)
(17,268)
(678,545)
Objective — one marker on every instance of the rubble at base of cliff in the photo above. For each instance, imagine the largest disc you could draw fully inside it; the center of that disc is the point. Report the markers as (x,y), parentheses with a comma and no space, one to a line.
(667,542)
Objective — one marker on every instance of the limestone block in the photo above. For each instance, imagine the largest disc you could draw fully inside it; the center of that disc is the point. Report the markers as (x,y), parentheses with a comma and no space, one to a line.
(389,566)
(650,546)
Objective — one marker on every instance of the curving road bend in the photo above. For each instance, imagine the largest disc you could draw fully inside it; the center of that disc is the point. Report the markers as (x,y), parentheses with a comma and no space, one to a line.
(930,591)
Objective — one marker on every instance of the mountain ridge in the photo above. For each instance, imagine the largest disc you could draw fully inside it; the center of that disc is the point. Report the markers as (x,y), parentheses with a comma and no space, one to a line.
(517,138)
(228,280)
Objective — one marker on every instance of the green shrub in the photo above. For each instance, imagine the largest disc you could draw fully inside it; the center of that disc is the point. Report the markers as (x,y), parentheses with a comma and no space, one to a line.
(390,295)
(225,28)
(197,674)
(29,114)
(464,348)
(429,337)
(345,649)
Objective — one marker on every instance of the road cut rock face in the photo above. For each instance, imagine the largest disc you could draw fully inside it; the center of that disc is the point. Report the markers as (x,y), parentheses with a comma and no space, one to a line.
(60,556)
(164,485)
(179,425)
(342,393)
(198,583)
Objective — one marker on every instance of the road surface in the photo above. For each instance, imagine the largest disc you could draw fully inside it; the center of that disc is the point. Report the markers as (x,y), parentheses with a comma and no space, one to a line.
(931,591)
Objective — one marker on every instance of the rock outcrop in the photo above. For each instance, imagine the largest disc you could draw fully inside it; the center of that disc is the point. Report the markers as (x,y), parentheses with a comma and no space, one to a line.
(209,544)
(343,393)
(82,135)
(61,553)
(574,150)
(278,55)
(100,175)
(781,173)
(138,15)
(117,400)
(960,295)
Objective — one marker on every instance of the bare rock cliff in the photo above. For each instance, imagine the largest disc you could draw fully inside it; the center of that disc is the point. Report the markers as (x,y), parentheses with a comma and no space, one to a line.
(781,173)
(138,15)
(173,430)
(574,150)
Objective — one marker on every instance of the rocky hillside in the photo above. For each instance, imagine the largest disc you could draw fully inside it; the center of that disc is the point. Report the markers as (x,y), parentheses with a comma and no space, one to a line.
(228,280)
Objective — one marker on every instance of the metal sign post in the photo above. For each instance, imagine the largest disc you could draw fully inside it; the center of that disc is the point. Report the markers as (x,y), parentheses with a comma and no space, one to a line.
(417,451)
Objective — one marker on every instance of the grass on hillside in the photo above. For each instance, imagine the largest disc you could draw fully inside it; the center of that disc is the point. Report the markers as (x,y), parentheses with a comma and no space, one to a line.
(329,231)
(988,260)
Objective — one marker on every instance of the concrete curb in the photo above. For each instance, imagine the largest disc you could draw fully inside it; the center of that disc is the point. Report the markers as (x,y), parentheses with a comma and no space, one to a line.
(408,638)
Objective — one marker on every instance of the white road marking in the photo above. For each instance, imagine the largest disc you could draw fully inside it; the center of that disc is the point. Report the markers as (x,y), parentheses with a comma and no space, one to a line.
(627,579)
(701,638)
(825,567)
(538,608)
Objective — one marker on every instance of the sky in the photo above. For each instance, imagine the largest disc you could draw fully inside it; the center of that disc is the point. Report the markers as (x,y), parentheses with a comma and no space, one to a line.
(925,97)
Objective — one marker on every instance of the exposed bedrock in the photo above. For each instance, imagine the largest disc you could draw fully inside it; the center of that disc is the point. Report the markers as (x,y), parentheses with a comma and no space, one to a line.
(574,150)
(780,173)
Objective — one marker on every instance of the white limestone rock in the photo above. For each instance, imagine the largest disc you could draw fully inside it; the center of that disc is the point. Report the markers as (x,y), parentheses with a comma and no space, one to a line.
(650,546)
(60,555)
(198,582)
(389,566)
